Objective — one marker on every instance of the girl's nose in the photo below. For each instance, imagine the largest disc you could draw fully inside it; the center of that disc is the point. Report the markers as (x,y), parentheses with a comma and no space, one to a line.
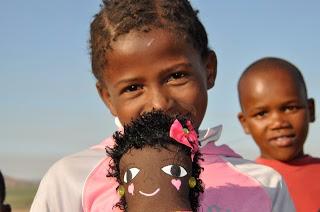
(159,100)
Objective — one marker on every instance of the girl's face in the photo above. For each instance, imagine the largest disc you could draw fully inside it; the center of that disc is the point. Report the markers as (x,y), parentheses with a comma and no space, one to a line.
(156,70)
(156,179)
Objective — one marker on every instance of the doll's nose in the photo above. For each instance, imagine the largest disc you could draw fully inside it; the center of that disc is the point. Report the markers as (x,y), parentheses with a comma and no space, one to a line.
(148,180)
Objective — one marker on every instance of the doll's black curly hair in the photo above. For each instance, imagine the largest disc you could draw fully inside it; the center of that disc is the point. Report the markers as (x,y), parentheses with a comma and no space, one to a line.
(151,129)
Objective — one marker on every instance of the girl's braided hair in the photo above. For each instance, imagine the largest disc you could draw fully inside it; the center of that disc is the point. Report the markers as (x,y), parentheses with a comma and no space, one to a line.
(151,129)
(120,17)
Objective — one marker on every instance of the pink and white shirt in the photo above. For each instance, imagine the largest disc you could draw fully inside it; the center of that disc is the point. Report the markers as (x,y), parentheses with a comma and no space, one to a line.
(232,184)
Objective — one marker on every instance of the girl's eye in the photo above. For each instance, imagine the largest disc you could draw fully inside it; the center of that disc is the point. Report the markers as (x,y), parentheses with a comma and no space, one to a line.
(176,76)
(132,88)
(130,174)
(175,170)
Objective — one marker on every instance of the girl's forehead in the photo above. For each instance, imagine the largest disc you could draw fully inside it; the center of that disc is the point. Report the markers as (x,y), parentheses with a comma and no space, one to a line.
(135,39)
(136,51)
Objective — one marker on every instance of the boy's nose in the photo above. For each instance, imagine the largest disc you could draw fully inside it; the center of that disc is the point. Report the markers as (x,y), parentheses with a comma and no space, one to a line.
(279,121)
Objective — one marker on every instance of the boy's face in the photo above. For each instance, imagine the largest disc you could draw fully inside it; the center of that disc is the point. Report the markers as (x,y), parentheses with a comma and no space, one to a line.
(156,70)
(276,112)
(156,179)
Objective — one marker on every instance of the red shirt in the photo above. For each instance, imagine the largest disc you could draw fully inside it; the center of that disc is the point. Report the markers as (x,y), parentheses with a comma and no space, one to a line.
(302,177)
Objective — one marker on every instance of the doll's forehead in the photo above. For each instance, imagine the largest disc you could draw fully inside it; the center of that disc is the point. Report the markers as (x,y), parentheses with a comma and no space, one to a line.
(149,151)
(152,156)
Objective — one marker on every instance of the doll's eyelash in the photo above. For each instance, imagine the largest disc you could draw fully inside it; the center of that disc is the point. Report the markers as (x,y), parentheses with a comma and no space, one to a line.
(176,160)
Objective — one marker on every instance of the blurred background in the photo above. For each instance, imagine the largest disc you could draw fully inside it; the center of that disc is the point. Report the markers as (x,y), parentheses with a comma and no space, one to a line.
(49,107)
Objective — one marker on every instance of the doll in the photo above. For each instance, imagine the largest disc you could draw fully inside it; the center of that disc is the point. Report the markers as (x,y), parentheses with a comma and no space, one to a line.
(155,162)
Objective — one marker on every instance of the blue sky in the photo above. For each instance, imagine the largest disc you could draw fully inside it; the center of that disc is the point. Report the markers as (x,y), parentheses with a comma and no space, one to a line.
(49,107)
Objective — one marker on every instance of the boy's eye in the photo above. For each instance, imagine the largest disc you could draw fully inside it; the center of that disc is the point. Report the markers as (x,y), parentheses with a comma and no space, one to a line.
(291,108)
(175,170)
(176,76)
(261,114)
(130,174)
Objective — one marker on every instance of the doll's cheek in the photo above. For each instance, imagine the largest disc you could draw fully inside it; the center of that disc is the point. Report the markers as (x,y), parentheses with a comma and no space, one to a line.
(131,188)
(176,183)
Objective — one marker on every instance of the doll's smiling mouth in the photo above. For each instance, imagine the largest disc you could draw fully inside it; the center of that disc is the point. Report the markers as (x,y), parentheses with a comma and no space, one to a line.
(150,195)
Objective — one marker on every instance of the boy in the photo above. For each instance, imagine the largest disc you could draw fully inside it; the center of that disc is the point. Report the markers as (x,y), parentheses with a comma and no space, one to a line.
(276,112)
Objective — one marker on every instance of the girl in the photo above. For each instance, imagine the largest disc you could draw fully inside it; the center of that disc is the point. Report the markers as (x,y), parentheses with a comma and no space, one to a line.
(153,54)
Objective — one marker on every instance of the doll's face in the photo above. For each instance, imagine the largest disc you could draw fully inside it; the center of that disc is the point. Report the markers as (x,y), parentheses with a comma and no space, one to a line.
(156,179)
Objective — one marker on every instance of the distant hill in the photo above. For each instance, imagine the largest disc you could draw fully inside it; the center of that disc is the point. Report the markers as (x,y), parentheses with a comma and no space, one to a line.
(20,193)
(14,182)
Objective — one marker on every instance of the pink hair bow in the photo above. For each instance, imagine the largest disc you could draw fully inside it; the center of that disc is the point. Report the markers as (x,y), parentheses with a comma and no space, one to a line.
(185,136)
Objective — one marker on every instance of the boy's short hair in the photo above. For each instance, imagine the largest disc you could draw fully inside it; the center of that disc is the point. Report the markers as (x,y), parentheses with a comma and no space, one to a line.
(268,63)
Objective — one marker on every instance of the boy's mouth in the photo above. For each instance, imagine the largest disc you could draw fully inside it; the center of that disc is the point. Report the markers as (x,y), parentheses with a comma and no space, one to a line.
(282,141)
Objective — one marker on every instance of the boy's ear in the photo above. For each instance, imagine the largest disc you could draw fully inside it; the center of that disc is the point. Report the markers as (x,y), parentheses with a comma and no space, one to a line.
(312,110)
(243,122)
(211,69)
(106,98)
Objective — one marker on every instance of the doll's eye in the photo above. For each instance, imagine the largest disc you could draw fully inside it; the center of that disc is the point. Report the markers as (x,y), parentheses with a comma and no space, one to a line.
(130,174)
(174,170)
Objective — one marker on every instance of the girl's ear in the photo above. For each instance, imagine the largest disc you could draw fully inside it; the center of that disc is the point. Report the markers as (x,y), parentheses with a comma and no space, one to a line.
(243,122)
(106,98)
(312,110)
(211,69)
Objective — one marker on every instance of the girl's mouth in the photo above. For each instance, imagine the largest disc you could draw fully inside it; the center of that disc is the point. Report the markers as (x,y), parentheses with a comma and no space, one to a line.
(150,195)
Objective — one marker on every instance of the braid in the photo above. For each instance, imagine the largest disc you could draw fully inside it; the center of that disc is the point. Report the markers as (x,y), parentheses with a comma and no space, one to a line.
(120,17)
